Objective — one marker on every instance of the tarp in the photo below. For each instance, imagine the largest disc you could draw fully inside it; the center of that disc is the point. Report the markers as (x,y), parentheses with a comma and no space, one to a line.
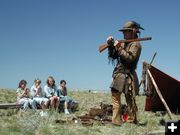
(170,89)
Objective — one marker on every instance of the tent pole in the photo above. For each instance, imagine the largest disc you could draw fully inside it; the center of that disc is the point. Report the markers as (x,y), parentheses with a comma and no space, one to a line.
(160,95)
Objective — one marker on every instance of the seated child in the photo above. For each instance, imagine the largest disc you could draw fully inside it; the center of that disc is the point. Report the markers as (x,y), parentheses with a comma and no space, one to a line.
(37,94)
(62,93)
(23,96)
(51,93)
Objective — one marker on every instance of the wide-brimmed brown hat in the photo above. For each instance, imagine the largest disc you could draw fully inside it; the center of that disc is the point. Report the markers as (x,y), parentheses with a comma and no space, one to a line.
(130,25)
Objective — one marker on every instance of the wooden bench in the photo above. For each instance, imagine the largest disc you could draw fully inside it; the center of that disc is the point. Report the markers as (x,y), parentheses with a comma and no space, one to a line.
(18,106)
(10,106)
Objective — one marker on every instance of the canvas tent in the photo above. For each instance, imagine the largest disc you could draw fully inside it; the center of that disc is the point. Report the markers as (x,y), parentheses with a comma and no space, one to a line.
(168,87)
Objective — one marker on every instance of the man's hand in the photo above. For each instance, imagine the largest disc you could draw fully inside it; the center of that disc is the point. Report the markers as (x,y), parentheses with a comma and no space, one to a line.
(118,46)
(110,40)
(116,43)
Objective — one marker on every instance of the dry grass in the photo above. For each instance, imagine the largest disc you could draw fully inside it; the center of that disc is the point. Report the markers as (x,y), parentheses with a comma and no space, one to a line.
(13,122)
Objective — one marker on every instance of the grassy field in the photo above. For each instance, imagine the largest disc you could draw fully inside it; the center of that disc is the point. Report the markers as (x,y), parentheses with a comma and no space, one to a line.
(14,122)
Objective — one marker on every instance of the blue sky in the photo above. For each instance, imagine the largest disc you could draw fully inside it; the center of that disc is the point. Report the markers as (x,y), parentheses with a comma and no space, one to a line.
(39,38)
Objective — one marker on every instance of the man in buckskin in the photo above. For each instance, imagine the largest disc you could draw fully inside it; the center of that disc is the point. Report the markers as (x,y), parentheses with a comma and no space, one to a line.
(125,79)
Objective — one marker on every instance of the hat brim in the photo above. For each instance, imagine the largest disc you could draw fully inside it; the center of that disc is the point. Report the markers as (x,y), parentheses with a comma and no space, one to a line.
(124,29)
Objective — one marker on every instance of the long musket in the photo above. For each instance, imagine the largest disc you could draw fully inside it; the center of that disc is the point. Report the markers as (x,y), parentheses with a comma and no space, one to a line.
(105,46)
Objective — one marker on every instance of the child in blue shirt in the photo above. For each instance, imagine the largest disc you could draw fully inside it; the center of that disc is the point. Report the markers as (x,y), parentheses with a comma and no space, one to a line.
(50,90)
(62,93)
